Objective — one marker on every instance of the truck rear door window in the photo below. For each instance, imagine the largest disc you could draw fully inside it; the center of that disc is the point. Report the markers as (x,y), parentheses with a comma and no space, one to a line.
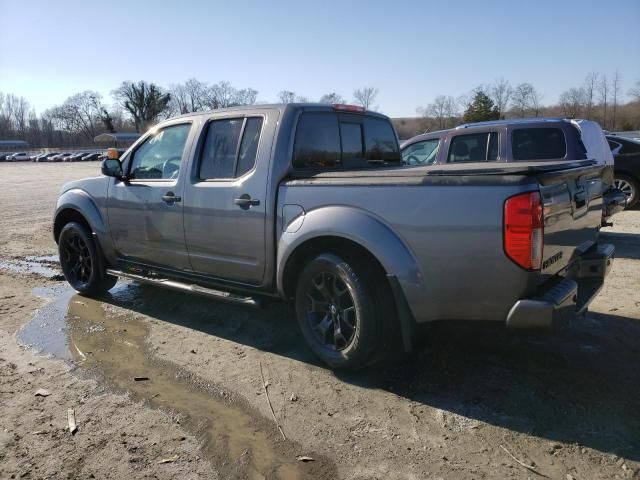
(221,158)
(529,144)
(326,140)
(249,145)
(476,147)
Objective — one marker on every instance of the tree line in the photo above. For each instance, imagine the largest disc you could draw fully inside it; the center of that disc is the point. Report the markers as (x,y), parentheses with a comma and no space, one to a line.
(138,105)
(599,98)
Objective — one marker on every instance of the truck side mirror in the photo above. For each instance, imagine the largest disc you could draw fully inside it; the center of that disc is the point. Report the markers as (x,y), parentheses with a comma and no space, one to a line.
(111,167)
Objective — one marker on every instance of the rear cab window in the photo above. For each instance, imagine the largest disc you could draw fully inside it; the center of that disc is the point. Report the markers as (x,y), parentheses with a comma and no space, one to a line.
(533,144)
(474,147)
(331,140)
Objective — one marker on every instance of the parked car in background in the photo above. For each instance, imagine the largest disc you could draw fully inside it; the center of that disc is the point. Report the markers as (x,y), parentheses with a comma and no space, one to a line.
(312,203)
(626,154)
(19,157)
(76,157)
(5,155)
(521,140)
(42,157)
(58,157)
(538,140)
(90,156)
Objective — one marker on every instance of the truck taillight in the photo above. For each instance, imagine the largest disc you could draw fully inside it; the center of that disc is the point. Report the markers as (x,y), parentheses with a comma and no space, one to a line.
(524,230)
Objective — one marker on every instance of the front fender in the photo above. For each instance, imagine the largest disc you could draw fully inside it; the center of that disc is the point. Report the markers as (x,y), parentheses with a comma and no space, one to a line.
(83,203)
(364,229)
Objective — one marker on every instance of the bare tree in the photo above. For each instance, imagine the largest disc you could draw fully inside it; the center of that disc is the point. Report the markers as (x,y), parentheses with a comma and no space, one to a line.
(144,101)
(366,96)
(590,85)
(572,102)
(520,99)
(79,114)
(634,92)
(189,97)
(535,100)
(178,104)
(245,96)
(603,91)
(442,111)
(196,95)
(331,98)
(500,92)
(615,93)
(221,95)
(287,96)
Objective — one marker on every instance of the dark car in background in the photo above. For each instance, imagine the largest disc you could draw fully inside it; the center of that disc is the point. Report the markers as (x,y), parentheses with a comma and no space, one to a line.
(59,157)
(626,155)
(44,157)
(90,156)
(76,157)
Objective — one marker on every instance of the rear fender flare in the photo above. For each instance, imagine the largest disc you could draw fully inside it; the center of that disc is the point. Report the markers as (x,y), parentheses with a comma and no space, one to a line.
(363,229)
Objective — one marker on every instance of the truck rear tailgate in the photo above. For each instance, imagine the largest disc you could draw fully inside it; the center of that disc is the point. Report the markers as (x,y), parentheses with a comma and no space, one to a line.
(572,210)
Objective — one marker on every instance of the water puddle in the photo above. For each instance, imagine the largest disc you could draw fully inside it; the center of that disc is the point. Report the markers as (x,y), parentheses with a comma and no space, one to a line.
(110,343)
(46,266)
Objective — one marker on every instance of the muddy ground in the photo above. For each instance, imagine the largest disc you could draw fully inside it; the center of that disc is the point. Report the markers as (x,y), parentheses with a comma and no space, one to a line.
(566,402)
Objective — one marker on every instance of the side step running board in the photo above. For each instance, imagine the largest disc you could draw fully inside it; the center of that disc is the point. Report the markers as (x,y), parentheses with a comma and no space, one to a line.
(185,287)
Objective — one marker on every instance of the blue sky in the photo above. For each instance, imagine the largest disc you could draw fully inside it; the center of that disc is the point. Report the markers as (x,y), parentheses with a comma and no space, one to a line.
(411,50)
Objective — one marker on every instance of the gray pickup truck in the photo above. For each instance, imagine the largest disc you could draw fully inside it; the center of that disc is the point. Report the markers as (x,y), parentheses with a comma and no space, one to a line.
(312,204)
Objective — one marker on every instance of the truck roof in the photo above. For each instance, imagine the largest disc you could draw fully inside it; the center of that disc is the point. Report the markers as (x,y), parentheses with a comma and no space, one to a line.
(513,121)
(282,107)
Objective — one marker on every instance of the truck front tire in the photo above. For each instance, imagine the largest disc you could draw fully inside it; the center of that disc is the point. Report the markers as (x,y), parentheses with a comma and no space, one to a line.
(343,309)
(80,260)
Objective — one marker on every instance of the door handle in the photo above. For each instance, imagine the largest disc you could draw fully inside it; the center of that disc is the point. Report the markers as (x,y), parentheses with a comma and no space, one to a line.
(171,198)
(245,201)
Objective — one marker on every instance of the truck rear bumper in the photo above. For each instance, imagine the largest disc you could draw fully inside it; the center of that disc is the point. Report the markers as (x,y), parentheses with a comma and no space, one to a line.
(565,295)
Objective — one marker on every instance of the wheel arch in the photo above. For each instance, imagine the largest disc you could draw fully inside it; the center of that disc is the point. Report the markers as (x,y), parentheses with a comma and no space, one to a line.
(77,206)
(337,229)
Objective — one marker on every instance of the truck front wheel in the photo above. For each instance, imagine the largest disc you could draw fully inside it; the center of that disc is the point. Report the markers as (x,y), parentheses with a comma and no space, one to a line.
(341,307)
(80,261)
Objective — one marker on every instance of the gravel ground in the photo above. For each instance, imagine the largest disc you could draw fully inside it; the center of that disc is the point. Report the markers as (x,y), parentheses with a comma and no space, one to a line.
(475,396)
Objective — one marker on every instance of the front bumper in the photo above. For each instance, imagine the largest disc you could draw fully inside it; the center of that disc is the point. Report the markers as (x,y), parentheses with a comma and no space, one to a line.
(566,295)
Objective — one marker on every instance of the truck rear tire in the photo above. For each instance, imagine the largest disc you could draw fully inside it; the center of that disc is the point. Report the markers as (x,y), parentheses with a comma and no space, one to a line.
(81,262)
(342,307)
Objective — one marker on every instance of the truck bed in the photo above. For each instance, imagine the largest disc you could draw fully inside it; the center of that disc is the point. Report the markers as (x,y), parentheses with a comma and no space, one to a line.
(451,220)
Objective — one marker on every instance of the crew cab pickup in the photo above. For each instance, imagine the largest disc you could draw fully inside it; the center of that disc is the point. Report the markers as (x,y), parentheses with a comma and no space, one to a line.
(312,204)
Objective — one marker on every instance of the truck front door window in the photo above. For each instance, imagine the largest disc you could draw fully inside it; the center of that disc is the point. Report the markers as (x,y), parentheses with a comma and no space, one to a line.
(160,156)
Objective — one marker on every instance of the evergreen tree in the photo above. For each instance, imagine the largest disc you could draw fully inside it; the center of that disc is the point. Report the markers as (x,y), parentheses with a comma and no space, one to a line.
(481,109)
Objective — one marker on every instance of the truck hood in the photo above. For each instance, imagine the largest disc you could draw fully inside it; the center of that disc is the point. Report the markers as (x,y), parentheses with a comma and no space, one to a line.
(87,184)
